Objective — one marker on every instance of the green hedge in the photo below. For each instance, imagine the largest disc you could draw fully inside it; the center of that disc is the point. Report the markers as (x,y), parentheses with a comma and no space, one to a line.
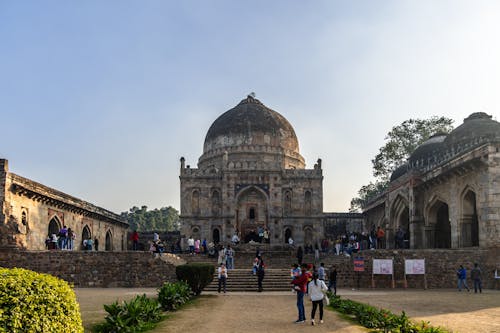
(381,319)
(34,302)
(197,275)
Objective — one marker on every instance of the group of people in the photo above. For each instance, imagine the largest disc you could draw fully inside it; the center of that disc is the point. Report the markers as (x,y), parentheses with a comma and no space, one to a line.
(65,240)
(307,280)
(475,275)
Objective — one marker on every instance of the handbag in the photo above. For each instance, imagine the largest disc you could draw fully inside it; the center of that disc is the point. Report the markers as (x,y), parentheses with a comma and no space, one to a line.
(326,300)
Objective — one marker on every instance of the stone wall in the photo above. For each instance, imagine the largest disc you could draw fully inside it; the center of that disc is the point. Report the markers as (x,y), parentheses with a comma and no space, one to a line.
(95,269)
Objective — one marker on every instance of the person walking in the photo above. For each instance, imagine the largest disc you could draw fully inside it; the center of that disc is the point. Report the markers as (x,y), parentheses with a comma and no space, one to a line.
(301,283)
(135,240)
(222,276)
(229,257)
(321,271)
(316,290)
(332,280)
(462,278)
(475,275)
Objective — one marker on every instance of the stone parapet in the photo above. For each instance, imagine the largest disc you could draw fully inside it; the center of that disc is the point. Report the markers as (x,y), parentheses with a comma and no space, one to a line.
(97,269)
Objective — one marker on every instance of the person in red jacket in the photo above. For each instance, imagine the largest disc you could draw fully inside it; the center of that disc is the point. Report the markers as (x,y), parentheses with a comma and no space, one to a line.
(135,240)
(300,285)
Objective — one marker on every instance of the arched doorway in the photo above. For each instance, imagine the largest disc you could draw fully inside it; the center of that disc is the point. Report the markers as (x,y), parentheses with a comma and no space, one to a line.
(54,226)
(308,237)
(404,228)
(469,222)
(86,234)
(440,219)
(288,234)
(216,236)
(109,241)
(251,213)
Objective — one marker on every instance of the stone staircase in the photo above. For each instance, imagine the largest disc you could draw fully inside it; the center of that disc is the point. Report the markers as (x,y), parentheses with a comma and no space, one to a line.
(244,280)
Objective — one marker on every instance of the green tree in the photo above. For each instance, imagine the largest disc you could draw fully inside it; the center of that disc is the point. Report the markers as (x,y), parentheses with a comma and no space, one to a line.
(142,219)
(401,141)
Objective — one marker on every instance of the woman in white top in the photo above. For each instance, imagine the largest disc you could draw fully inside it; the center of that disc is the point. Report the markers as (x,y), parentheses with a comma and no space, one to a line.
(316,290)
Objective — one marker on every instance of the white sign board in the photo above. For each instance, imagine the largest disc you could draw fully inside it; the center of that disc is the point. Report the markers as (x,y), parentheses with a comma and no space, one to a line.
(382,266)
(414,266)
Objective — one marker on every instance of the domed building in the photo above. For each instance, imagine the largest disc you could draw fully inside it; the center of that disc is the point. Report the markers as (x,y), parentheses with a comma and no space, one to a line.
(447,195)
(250,178)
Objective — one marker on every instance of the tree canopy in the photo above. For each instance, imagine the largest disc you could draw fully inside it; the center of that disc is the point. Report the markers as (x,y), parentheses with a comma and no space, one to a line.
(401,141)
(142,219)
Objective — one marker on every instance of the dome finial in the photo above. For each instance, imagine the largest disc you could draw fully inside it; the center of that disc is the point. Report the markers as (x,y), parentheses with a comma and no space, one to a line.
(251,95)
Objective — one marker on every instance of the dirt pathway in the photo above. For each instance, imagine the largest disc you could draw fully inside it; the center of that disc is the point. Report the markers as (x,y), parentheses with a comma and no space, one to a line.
(250,312)
(275,312)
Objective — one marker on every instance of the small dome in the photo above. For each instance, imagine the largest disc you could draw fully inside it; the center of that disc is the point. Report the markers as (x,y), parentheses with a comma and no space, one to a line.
(431,147)
(400,171)
(477,125)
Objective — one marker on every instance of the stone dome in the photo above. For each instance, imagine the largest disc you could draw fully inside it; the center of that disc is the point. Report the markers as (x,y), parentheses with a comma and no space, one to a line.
(252,127)
(431,147)
(478,126)
(400,171)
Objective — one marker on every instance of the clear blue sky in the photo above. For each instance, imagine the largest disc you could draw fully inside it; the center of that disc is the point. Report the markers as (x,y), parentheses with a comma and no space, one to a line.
(100,99)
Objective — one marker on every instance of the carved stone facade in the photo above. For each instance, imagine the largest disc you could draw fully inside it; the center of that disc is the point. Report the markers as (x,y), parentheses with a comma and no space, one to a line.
(447,195)
(251,175)
(30,211)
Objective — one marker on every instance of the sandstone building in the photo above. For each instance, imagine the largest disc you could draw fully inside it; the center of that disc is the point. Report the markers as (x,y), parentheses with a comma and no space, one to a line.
(447,195)
(251,175)
(30,211)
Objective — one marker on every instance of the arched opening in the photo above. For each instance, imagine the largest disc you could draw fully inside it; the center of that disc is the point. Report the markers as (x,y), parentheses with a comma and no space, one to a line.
(288,234)
(308,237)
(109,241)
(251,213)
(216,236)
(54,226)
(24,218)
(307,203)
(195,232)
(469,222)
(86,235)
(403,232)
(215,203)
(442,226)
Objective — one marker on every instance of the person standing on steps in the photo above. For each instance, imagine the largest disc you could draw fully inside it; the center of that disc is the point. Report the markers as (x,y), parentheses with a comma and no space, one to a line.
(316,290)
(301,283)
(260,275)
(222,276)
(300,255)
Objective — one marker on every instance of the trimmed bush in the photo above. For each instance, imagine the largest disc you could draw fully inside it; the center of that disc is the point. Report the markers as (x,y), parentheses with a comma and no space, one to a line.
(34,302)
(173,295)
(138,315)
(197,275)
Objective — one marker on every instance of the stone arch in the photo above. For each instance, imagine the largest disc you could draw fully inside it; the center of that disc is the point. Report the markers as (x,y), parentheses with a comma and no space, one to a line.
(54,226)
(109,241)
(438,228)
(307,203)
(309,236)
(195,202)
(400,218)
(86,234)
(196,232)
(252,211)
(216,235)
(469,221)
(216,202)
(288,234)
